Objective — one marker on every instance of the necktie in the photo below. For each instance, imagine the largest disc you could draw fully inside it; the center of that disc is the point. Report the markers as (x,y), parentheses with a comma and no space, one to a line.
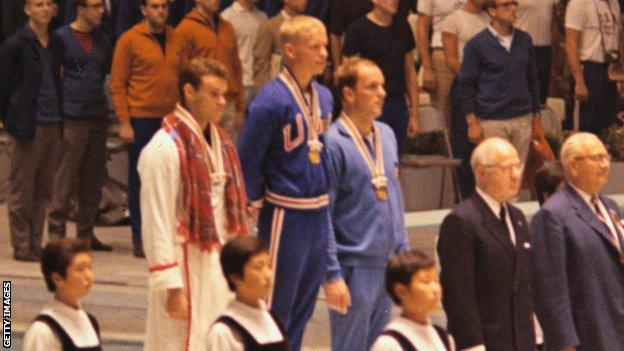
(614,239)
(503,218)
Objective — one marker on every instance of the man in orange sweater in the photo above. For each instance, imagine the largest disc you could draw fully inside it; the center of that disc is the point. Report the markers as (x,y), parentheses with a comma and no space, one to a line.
(143,89)
(203,32)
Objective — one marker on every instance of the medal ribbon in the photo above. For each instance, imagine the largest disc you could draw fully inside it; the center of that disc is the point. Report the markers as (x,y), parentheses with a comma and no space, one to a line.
(311,115)
(212,154)
(376,168)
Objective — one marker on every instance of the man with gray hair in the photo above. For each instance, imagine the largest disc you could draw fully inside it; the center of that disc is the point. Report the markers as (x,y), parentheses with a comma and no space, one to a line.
(578,266)
(484,258)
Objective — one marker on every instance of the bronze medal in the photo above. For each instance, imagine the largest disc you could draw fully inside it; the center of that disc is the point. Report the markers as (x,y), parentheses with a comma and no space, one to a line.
(382,193)
(314,156)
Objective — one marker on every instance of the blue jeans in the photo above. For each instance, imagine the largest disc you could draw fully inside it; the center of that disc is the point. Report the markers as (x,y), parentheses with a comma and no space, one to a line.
(395,113)
(144,130)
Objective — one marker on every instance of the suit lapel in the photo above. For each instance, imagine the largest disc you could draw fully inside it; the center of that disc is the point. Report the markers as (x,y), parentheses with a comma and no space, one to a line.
(589,217)
(493,224)
(520,229)
(614,217)
(619,230)
(521,232)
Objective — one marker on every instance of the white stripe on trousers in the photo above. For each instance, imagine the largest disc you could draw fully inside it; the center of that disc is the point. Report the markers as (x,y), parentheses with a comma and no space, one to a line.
(276,234)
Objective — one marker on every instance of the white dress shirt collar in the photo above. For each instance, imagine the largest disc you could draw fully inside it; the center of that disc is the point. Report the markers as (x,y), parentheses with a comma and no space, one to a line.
(584,195)
(504,40)
(494,205)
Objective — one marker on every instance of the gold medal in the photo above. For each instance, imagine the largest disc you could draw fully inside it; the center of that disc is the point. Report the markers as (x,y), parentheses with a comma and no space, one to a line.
(311,111)
(314,156)
(382,193)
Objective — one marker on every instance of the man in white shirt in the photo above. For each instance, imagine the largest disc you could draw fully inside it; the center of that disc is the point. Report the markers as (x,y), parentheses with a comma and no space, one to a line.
(457,28)
(437,77)
(536,18)
(485,259)
(192,200)
(246,19)
(592,30)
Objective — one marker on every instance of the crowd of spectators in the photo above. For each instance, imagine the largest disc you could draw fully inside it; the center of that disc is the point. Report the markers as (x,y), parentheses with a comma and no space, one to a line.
(67,66)
(498,96)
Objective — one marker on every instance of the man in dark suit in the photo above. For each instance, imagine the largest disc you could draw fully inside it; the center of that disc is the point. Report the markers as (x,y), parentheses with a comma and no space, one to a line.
(485,260)
(578,267)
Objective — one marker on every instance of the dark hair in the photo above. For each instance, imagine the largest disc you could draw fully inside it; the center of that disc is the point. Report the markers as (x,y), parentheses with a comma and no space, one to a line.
(144,2)
(547,179)
(235,255)
(57,256)
(193,71)
(347,72)
(487,4)
(402,267)
(78,3)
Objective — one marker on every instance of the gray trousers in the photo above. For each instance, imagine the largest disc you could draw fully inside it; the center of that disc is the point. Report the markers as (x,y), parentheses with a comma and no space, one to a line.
(80,176)
(33,163)
(516,130)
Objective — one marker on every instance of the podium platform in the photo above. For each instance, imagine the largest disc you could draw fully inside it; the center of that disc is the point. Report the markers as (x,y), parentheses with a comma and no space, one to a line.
(118,298)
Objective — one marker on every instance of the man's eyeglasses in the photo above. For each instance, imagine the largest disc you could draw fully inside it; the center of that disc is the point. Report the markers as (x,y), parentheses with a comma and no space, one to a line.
(515,167)
(594,158)
(507,4)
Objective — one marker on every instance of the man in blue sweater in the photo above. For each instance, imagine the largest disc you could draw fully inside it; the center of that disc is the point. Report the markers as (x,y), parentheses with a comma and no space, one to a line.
(81,172)
(498,80)
(366,208)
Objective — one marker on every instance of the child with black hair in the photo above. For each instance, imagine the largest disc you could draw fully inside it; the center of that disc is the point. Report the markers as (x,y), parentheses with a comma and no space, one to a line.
(412,282)
(63,325)
(247,324)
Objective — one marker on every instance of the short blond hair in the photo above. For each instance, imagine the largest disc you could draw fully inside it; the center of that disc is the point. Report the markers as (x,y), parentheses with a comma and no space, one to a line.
(297,27)
(347,72)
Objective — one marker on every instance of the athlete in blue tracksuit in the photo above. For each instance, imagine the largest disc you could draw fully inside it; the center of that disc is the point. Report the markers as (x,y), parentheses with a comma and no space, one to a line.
(367,216)
(294,219)
(284,168)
